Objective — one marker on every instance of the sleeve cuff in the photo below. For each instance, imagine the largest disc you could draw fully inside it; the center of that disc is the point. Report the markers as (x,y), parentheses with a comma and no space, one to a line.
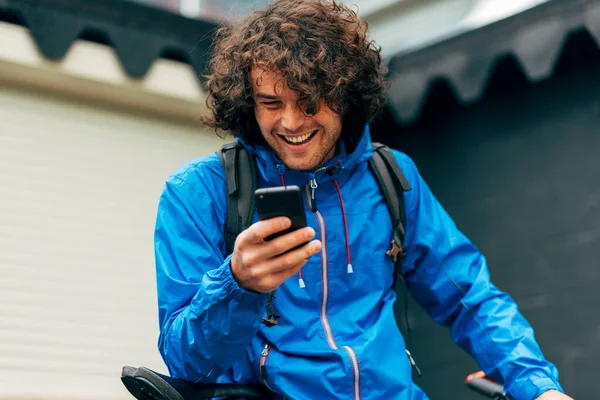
(534,387)
(233,290)
(221,283)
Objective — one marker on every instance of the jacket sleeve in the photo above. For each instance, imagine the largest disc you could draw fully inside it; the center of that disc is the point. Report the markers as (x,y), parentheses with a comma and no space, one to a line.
(206,320)
(449,277)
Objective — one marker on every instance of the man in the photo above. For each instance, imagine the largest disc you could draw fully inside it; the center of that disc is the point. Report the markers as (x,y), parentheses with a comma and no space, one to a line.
(297,84)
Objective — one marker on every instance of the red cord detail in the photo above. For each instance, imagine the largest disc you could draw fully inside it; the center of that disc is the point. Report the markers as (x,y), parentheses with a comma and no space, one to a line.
(345,222)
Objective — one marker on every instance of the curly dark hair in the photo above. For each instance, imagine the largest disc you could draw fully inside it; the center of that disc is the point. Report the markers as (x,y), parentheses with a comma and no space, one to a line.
(319,47)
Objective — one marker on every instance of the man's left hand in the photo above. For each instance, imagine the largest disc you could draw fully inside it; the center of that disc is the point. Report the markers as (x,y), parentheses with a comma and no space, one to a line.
(554,395)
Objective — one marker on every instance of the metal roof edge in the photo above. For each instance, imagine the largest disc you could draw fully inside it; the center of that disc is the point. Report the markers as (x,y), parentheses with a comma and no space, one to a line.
(139,34)
(535,37)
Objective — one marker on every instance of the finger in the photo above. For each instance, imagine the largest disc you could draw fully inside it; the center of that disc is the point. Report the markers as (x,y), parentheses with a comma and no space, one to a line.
(258,231)
(278,277)
(290,261)
(283,243)
(256,254)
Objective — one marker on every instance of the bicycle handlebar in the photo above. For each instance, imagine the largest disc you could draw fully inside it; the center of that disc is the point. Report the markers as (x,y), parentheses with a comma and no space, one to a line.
(482,385)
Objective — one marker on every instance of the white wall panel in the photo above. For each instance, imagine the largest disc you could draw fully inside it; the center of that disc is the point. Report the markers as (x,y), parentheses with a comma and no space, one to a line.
(79,187)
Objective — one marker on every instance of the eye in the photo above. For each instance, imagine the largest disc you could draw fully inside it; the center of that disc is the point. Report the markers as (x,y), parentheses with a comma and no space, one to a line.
(270,103)
(311,111)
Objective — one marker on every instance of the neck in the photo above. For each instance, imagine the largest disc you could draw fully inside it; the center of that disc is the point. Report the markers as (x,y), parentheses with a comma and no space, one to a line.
(330,154)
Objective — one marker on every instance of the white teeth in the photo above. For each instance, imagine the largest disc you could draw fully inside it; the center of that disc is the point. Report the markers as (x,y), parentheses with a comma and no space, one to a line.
(299,139)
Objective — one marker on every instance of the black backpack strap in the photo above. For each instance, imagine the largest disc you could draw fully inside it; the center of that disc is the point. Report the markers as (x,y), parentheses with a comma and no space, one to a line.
(240,181)
(392,184)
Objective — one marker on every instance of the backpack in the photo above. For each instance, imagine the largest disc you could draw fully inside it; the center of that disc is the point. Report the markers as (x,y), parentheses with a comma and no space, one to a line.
(240,181)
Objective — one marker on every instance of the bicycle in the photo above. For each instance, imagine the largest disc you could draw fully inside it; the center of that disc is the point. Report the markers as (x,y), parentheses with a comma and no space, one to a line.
(145,384)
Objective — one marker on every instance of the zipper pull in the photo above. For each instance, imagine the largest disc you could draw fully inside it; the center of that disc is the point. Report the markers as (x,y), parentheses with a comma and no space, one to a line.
(412,362)
(265,350)
(313,201)
(263,363)
(281,169)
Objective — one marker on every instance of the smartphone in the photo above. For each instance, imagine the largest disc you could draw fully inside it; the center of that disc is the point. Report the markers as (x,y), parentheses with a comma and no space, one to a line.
(281,201)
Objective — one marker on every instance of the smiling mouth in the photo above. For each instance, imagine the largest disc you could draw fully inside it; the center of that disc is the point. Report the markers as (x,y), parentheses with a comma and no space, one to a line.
(298,140)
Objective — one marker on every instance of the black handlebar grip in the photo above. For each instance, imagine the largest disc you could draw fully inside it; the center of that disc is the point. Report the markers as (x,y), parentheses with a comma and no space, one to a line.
(487,388)
(144,383)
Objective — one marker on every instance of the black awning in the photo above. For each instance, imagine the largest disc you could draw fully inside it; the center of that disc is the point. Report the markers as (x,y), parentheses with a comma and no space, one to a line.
(535,38)
(139,34)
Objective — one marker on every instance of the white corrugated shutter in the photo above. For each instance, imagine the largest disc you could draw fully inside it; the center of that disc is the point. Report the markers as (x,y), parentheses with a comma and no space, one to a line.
(79,187)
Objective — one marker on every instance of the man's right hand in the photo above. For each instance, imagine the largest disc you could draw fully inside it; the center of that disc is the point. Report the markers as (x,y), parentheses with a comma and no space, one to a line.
(262,266)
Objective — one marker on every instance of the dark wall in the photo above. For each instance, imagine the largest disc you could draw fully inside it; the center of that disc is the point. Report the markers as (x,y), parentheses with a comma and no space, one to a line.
(519,172)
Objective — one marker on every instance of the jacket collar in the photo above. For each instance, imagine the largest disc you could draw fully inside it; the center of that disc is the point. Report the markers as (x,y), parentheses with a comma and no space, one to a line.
(271,168)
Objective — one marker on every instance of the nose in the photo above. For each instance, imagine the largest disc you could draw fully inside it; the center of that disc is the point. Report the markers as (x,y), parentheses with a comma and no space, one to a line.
(292,118)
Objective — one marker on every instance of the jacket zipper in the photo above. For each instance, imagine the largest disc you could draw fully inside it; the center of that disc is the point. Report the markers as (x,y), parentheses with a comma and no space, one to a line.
(311,195)
(325,283)
(264,355)
(355,371)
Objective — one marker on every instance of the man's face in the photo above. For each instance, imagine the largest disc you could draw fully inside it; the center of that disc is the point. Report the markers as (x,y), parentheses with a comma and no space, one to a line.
(303,142)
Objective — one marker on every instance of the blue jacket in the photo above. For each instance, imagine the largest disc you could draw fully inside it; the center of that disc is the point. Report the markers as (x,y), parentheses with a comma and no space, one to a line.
(337,336)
